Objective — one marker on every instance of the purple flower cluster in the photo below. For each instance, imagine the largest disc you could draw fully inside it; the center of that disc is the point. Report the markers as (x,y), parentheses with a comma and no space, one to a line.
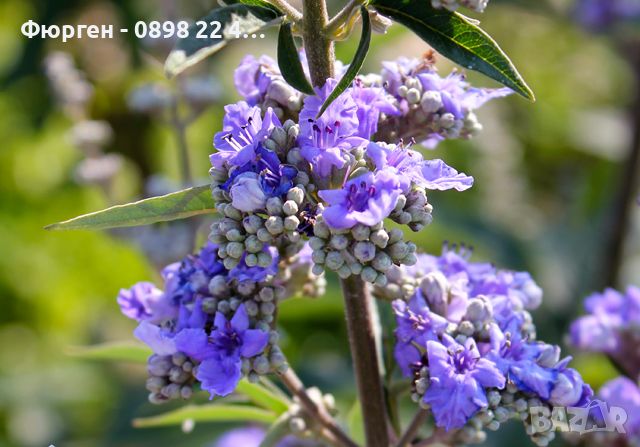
(599,15)
(431,108)
(209,325)
(612,327)
(465,336)
(337,173)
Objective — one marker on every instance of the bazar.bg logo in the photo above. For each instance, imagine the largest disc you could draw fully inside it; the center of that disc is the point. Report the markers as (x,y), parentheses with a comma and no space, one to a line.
(596,417)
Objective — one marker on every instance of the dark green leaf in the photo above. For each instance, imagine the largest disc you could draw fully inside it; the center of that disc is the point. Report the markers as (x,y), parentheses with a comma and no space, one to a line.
(263,397)
(235,21)
(356,64)
(124,352)
(457,38)
(289,61)
(207,413)
(177,205)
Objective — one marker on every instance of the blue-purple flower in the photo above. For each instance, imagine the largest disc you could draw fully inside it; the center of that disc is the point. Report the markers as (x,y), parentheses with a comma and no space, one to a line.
(416,325)
(244,129)
(140,302)
(367,199)
(624,393)
(253,77)
(410,166)
(459,377)
(221,351)
(326,142)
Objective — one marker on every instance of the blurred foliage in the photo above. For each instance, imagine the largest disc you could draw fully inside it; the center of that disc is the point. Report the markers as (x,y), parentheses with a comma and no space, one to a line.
(545,175)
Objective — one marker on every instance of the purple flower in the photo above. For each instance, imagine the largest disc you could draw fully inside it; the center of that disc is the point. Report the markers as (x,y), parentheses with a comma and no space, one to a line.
(253,77)
(624,393)
(140,301)
(325,142)
(366,199)
(246,193)
(518,359)
(371,103)
(609,327)
(416,325)
(598,15)
(411,167)
(569,390)
(241,437)
(160,340)
(221,351)
(458,380)
(242,132)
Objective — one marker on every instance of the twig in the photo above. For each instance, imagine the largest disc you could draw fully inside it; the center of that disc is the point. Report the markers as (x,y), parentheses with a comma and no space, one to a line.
(412,429)
(341,17)
(319,413)
(319,48)
(358,310)
(291,12)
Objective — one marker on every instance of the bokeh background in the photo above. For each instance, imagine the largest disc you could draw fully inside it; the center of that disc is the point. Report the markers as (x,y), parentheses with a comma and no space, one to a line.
(548,177)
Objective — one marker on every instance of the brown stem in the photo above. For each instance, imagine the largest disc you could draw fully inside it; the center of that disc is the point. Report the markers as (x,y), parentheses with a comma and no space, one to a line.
(412,429)
(317,412)
(625,200)
(358,311)
(319,48)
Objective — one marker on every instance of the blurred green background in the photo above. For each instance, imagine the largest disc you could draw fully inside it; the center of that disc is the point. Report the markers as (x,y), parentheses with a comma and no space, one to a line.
(547,175)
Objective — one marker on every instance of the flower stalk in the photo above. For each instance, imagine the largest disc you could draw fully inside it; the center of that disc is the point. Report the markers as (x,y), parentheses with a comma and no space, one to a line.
(319,48)
(359,311)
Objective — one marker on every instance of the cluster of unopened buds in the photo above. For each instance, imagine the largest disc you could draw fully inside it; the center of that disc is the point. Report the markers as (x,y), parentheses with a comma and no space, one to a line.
(466,339)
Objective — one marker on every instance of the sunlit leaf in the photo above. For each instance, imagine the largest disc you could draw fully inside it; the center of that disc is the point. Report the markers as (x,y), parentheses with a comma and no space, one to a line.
(356,64)
(223,25)
(457,38)
(117,351)
(208,413)
(263,397)
(178,205)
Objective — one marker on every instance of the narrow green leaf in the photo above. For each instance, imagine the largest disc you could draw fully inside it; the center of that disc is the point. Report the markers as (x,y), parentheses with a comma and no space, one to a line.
(178,205)
(222,25)
(207,413)
(356,64)
(116,351)
(289,61)
(263,397)
(278,430)
(457,38)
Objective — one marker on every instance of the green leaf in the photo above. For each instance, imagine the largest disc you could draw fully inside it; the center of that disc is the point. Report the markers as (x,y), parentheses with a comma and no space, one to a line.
(289,61)
(117,351)
(457,38)
(178,205)
(207,413)
(278,430)
(355,423)
(235,21)
(356,64)
(263,397)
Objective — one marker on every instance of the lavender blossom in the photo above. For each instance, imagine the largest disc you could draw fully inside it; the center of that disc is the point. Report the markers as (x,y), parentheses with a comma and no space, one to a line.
(366,199)
(221,351)
(140,301)
(244,128)
(598,15)
(326,142)
(459,377)
(611,327)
